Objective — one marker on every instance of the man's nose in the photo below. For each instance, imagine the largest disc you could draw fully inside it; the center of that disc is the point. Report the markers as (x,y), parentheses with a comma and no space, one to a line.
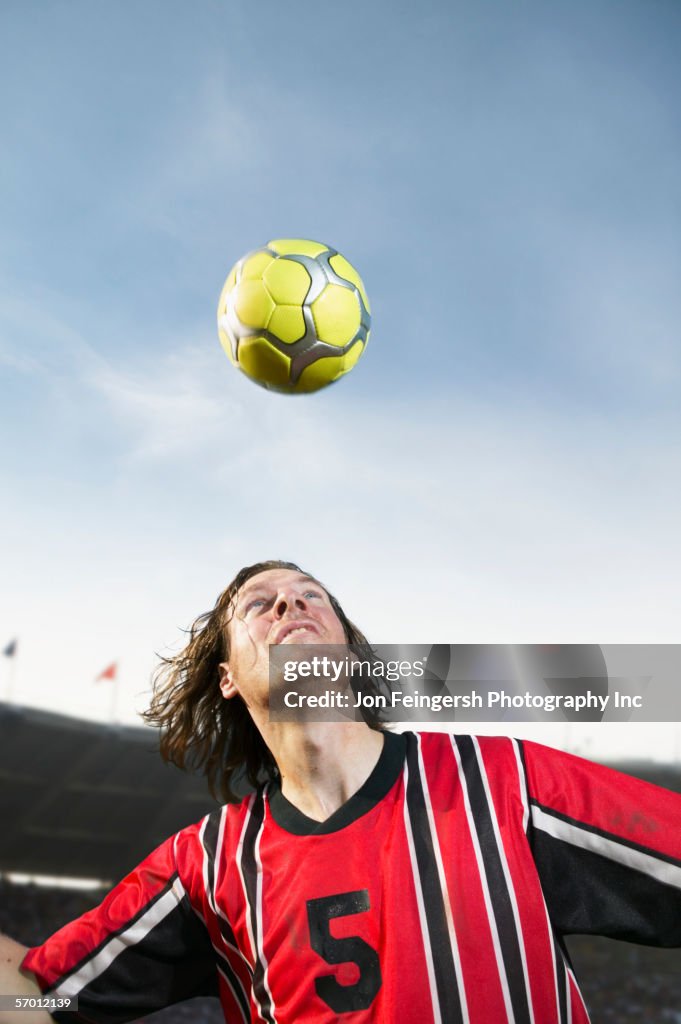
(286,601)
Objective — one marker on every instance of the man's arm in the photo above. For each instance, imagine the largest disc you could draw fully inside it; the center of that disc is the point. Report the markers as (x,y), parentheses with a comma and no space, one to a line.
(142,949)
(15,982)
(607,847)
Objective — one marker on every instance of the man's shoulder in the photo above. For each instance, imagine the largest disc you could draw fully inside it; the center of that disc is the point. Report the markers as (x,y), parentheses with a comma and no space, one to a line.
(213,837)
(219,817)
(466,753)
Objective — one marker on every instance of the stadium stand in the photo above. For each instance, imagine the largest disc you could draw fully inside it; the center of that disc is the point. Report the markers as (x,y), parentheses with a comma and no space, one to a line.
(82,799)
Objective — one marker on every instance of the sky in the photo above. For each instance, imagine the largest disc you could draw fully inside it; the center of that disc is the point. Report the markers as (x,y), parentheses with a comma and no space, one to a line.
(503,465)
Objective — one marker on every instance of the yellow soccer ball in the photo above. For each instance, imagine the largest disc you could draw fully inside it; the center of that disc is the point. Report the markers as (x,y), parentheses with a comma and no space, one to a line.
(294,315)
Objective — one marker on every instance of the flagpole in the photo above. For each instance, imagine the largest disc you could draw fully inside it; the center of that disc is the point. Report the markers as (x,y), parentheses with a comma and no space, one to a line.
(10,680)
(110,674)
(114,699)
(10,652)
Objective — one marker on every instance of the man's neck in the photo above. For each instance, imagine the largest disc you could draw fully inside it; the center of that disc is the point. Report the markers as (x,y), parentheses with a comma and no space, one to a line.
(323,764)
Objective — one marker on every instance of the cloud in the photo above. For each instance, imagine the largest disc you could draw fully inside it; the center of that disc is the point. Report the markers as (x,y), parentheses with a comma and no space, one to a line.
(517,518)
(164,407)
(34,337)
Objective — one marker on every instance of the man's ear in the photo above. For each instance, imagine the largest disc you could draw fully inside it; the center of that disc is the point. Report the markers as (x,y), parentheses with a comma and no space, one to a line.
(227,687)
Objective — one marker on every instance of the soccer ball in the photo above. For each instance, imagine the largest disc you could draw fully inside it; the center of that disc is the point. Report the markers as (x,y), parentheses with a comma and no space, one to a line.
(294,315)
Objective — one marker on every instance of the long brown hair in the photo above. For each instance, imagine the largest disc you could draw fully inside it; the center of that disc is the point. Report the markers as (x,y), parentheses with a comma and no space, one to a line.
(199,728)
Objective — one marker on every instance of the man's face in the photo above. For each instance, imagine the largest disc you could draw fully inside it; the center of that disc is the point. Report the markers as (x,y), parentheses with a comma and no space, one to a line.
(278,606)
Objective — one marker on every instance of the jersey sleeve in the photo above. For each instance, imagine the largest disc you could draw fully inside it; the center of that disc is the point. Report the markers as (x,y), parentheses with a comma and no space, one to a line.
(143,948)
(607,847)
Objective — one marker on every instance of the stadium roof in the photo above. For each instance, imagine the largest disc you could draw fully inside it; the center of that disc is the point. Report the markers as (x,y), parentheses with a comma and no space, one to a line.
(86,800)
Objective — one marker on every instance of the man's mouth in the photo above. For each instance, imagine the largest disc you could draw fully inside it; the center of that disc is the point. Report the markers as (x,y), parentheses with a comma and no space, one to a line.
(293,631)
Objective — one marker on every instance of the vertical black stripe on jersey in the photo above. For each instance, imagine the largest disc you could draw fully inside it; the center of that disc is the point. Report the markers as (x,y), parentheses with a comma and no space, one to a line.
(560,968)
(524,784)
(434,904)
(210,841)
(249,870)
(502,907)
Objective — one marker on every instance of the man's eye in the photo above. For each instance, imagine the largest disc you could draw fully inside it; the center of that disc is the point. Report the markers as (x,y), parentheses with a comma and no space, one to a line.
(312,593)
(255,603)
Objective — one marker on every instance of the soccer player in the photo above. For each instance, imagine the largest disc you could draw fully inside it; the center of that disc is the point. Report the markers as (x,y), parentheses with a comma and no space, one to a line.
(371,876)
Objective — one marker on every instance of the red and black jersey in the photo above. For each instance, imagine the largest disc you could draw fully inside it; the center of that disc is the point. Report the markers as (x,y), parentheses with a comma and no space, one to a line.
(439,894)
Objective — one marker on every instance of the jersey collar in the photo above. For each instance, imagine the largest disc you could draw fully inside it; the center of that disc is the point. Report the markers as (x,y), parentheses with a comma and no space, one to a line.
(380,782)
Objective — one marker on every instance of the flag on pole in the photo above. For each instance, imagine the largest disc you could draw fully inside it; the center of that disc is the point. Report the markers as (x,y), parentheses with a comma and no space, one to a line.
(11,649)
(108,673)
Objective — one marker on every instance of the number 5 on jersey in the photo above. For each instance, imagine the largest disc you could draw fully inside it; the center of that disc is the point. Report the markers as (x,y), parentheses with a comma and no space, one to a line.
(353,949)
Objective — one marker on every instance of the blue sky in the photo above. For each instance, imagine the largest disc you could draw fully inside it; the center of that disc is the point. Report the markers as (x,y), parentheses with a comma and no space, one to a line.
(504,462)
